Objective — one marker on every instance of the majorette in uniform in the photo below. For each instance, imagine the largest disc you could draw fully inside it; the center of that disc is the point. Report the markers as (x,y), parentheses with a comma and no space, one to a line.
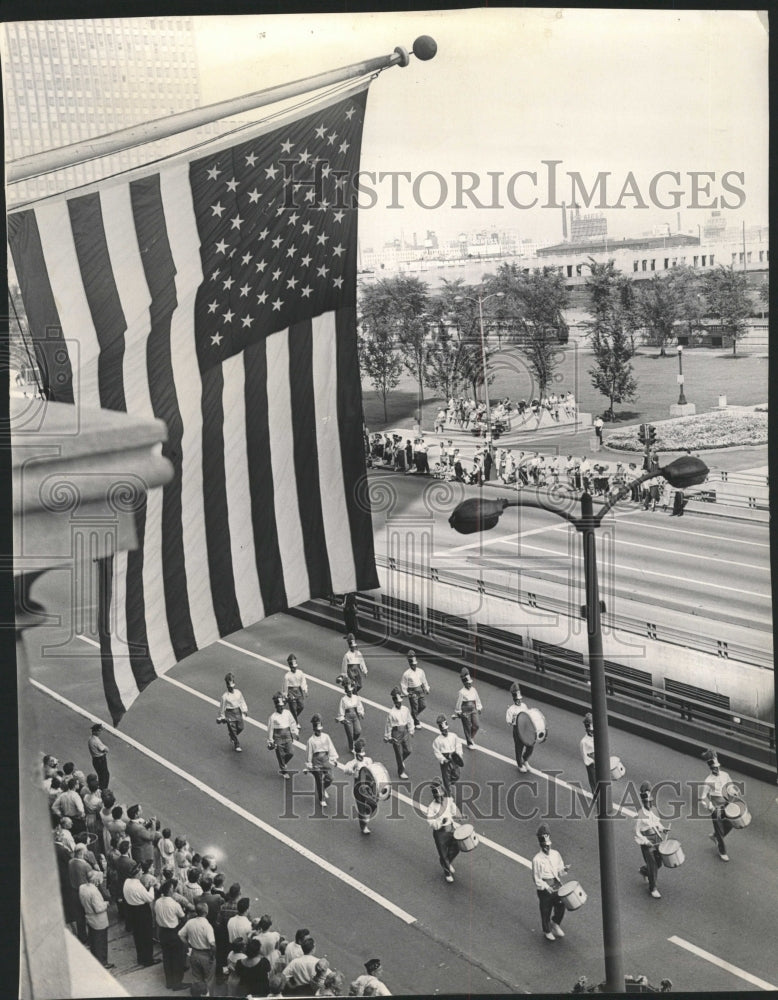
(282,729)
(468,707)
(548,868)
(231,711)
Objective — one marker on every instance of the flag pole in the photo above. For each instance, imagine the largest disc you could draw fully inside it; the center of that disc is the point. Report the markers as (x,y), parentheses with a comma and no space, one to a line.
(160,128)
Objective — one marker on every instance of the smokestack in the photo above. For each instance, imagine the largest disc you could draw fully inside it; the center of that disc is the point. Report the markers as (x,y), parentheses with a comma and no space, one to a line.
(564,222)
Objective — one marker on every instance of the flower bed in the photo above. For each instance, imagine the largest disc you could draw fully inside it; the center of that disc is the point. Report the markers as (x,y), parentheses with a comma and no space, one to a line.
(706,430)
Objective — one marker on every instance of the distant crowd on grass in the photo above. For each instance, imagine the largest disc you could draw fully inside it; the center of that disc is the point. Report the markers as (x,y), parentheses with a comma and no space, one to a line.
(117,866)
(469,415)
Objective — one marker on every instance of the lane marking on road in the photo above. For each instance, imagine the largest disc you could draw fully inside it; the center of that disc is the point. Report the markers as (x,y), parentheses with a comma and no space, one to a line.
(331,869)
(727,966)
(432,729)
(668,530)
(674,552)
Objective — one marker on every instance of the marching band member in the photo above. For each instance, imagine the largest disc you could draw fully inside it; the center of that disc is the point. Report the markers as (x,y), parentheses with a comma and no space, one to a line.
(399,729)
(365,788)
(713,798)
(231,711)
(294,687)
(447,748)
(468,707)
(282,729)
(648,835)
(442,816)
(587,750)
(522,749)
(413,684)
(353,663)
(547,871)
(350,711)
(322,757)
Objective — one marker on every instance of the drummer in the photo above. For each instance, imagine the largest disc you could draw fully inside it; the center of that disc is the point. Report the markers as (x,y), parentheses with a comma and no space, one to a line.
(232,710)
(447,748)
(282,729)
(648,836)
(365,786)
(322,757)
(399,729)
(518,708)
(441,816)
(547,871)
(351,711)
(468,707)
(587,750)
(294,687)
(713,799)
(353,664)
(414,686)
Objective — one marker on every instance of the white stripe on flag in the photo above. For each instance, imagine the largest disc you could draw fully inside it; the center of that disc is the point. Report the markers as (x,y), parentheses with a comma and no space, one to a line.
(78,328)
(184,246)
(279,404)
(333,502)
(135,298)
(244,561)
(125,679)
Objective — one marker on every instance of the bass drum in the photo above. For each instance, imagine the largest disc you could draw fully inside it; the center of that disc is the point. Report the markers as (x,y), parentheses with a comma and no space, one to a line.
(381,778)
(532,726)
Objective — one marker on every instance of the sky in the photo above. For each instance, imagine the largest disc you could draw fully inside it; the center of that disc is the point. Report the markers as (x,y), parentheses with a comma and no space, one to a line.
(623,94)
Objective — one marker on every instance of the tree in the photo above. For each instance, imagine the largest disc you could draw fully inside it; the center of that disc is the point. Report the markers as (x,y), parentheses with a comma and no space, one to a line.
(458,302)
(727,298)
(379,360)
(659,308)
(612,333)
(534,303)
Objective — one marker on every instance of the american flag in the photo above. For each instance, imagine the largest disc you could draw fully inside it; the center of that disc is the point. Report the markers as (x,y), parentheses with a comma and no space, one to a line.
(218,294)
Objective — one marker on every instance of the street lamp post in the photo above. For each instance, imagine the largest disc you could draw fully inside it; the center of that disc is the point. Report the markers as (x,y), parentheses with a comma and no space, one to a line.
(481,299)
(681,397)
(481,515)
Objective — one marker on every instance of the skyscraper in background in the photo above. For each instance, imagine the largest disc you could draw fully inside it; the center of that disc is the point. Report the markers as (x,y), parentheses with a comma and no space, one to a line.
(65,81)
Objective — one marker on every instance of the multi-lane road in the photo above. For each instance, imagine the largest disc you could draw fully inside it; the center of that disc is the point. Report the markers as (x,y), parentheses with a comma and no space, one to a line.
(385,894)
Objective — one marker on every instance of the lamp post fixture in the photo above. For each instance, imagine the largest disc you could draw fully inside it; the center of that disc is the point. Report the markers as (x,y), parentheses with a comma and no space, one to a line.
(681,397)
(480,300)
(481,515)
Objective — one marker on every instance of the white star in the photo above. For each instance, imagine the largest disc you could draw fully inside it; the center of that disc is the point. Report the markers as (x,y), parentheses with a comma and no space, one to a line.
(280,210)
(217,209)
(309,195)
(244,290)
(291,282)
(320,131)
(271,172)
(306,260)
(326,170)
(247,320)
(338,250)
(337,282)
(251,160)
(340,181)
(276,274)
(293,219)
(343,147)
(254,196)
(232,185)
(338,216)
(232,253)
(212,306)
(261,265)
(216,339)
(322,271)
(262,298)
(306,291)
(323,205)
(322,238)
(215,275)
(245,259)
(277,305)
(221,247)
(305,156)
(332,137)
(307,228)
(291,251)
(213,173)
(286,147)
(237,222)
(350,112)
(229,283)
(263,235)
(277,242)
(228,316)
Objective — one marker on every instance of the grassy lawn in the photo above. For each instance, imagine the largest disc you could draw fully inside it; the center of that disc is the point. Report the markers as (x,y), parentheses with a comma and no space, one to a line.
(708,375)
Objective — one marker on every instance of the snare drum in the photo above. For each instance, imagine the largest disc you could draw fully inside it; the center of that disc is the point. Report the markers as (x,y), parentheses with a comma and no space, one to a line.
(737,813)
(382,780)
(466,837)
(671,853)
(617,768)
(532,727)
(731,791)
(572,895)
